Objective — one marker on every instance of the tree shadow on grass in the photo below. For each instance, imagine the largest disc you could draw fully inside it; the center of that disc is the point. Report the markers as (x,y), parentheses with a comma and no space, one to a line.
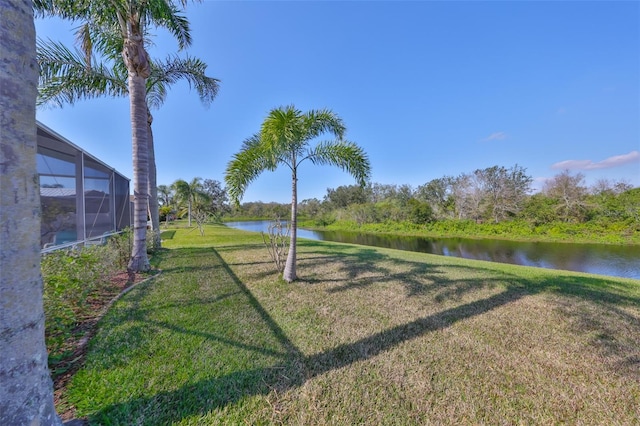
(293,368)
(369,267)
(598,290)
(204,396)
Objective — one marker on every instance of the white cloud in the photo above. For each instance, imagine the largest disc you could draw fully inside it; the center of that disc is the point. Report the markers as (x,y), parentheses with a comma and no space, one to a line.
(495,137)
(615,161)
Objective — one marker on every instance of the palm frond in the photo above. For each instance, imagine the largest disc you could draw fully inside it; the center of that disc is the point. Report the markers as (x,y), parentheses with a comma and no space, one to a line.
(165,14)
(66,76)
(66,9)
(156,94)
(42,7)
(84,40)
(281,131)
(173,69)
(344,154)
(108,40)
(321,121)
(245,167)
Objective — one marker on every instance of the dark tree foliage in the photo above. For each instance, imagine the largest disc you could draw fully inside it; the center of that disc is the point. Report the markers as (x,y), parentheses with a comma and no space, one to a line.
(218,201)
(439,194)
(344,196)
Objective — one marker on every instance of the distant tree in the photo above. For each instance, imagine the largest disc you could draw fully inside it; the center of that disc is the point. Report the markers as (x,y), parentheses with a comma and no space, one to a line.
(539,209)
(420,212)
(403,195)
(570,192)
(310,207)
(284,139)
(345,195)
(440,196)
(629,205)
(253,209)
(165,195)
(217,195)
(613,201)
(505,190)
(609,187)
(363,213)
(167,208)
(259,209)
(494,193)
(189,193)
(26,390)
(377,192)
(468,191)
(166,213)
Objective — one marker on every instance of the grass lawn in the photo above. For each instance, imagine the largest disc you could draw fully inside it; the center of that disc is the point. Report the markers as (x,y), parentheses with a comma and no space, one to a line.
(366,336)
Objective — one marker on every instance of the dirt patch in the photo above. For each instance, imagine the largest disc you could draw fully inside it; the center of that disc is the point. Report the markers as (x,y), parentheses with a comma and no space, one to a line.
(100,302)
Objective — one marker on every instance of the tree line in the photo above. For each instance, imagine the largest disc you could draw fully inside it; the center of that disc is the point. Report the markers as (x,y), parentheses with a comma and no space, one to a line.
(492,195)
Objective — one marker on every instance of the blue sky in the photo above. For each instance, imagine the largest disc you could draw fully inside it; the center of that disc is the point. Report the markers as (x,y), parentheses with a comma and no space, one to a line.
(428,89)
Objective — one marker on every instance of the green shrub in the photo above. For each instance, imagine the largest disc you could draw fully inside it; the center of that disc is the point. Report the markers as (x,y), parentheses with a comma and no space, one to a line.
(71,278)
(120,248)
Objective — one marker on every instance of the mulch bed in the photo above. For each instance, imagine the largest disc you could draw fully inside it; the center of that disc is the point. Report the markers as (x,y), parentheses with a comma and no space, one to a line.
(100,303)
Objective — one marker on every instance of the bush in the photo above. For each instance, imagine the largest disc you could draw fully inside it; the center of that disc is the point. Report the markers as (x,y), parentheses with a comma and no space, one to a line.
(71,278)
(120,247)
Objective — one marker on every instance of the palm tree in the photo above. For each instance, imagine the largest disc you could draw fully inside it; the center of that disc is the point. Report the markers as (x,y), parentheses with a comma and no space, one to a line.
(163,75)
(129,19)
(189,192)
(165,195)
(26,392)
(284,138)
(68,76)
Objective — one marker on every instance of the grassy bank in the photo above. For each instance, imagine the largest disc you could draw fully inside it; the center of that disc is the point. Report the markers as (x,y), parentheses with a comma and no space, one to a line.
(366,336)
(610,233)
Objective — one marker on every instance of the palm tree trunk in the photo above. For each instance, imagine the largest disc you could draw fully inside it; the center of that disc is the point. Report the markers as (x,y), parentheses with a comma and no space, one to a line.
(289,273)
(137,62)
(26,390)
(189,211)
(139,261)
(154,211)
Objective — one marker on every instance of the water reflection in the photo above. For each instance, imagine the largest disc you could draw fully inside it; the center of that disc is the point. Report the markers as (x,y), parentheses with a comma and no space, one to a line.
(612,260)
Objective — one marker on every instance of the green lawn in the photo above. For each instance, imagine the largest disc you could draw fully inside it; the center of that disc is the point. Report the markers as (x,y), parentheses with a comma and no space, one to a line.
(366,336)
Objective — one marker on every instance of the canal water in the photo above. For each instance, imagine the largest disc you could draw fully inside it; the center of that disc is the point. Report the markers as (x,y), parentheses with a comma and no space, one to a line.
(603,259)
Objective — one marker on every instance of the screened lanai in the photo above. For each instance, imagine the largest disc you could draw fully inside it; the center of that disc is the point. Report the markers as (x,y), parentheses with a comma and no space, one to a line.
(82,198)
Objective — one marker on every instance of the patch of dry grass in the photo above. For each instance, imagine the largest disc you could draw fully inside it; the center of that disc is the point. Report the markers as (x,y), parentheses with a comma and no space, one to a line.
(376,336)
(442,340)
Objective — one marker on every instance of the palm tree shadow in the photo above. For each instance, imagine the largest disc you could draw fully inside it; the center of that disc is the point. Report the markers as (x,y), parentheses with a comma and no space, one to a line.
(367,267)
(295,368)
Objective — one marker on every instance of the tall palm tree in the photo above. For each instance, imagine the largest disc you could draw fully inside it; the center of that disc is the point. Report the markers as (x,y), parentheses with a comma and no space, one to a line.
(189,192)
(26,390)
(70,75)
(130,19)
(284,139)
(163,75)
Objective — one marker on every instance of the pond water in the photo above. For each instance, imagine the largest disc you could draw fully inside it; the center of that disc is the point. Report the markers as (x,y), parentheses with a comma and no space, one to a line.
(603,259)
